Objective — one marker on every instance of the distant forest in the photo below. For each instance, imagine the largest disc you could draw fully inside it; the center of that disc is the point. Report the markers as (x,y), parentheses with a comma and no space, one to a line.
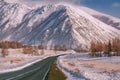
(97,49)
(112,48)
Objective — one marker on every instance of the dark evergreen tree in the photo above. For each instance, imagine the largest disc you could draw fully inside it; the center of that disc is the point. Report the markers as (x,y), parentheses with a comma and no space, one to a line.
(109,48)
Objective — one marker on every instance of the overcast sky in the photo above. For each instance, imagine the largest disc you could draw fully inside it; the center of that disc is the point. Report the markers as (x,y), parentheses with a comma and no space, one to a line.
(111,7)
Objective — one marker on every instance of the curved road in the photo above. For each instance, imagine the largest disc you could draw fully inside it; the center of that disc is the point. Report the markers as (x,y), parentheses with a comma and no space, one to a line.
(37,71)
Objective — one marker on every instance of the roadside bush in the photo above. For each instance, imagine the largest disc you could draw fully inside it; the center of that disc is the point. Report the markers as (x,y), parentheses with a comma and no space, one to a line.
(4,52)
(60,47)
(30,50)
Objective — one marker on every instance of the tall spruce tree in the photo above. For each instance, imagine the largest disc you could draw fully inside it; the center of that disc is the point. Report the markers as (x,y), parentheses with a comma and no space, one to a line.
(109,48)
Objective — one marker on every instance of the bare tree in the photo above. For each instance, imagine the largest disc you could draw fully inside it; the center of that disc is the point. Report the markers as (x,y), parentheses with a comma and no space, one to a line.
(4,52)
(98,48)
(42,51)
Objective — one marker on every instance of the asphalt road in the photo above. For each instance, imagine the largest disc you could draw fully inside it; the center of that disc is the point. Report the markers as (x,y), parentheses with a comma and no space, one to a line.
(37,71)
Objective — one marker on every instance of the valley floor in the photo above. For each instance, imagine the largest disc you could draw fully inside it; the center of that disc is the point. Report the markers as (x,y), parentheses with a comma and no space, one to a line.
(82,67)
(16,60)
(76,66)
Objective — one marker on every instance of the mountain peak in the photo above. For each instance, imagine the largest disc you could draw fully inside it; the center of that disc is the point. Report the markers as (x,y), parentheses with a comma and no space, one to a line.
(53,25)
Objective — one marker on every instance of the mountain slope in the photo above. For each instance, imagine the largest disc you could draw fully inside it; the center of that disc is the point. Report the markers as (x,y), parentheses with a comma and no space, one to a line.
(110,20)
(53,25)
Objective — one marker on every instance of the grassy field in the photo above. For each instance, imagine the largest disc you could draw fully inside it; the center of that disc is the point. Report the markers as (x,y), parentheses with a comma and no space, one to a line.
(55,73)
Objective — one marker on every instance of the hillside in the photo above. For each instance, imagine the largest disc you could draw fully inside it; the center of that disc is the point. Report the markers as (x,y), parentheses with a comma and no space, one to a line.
(52,25)
(110,20)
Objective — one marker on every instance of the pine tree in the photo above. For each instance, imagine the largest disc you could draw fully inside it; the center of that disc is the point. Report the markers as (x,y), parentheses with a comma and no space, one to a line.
(109,47)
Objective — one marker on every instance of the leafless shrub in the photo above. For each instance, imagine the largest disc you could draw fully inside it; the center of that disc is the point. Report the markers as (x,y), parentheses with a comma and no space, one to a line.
(4,52)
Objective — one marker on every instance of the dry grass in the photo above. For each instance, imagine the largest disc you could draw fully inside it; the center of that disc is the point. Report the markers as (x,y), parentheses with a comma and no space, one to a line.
(103,65)
(71,64)
(76,70)
(10,59)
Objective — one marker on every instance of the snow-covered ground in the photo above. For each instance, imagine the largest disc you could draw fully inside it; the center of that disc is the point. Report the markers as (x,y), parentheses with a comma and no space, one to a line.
(82,67)
(16,60)
(75,66)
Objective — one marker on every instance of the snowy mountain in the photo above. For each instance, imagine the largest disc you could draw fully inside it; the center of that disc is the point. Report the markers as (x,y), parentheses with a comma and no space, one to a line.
(52,25)
(110,20)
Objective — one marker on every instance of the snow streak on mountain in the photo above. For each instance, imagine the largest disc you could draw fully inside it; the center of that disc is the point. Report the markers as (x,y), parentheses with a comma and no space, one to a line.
(50,25)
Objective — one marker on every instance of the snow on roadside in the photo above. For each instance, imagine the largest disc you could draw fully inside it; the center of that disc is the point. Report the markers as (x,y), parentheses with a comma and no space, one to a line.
(24,60)
(18,66)
(82,67)
(70,74)
(75,66)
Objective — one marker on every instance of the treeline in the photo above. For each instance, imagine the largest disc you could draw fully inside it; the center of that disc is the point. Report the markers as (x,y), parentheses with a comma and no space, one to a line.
(112,48)
(56,47)
(4,45)
(27,49)
(15,45)
(31,50)
(10,44)
(61,47)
